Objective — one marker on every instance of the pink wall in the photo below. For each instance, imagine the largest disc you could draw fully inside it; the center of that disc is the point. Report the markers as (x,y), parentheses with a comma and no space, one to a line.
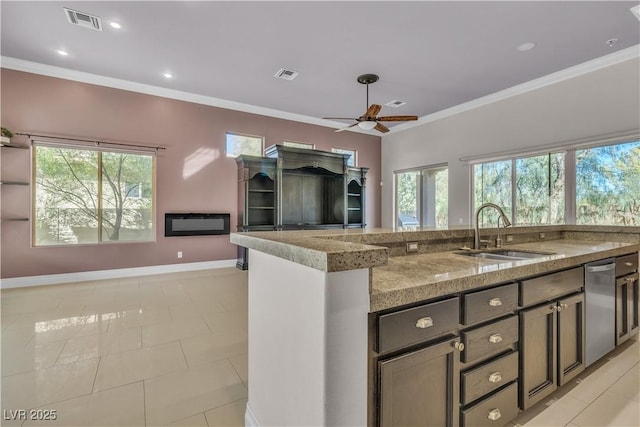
(34,103)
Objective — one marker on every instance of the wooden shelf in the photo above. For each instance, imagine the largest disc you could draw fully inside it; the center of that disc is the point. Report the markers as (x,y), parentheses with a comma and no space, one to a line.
(261,191)
(354,194)
(23,147)
(13,183)
(261,207)
(13,219)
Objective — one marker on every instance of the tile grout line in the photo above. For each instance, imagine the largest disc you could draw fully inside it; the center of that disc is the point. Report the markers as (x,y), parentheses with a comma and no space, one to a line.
(95,377)
(144,401)
(184,355)
(603,392)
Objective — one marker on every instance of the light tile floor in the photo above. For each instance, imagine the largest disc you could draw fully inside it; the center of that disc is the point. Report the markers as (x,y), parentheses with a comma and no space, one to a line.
(155,350)
(172,350)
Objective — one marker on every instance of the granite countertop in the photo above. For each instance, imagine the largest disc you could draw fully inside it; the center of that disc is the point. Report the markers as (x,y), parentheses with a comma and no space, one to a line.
(413,278)
(400,280)
(316,248)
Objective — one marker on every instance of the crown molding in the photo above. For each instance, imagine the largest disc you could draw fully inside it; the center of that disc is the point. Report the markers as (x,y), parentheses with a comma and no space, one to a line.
(96,79)
(99,80)
(623,55)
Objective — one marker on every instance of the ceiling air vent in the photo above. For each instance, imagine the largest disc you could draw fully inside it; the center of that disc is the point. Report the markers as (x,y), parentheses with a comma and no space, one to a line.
(395,103)
(83,19)
(286,74)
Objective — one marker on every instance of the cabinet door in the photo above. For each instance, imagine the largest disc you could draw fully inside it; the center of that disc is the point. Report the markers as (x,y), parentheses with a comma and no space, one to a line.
(571,345)
(622,310)
(627,307)
(633,305)
(421,388)
(537,354)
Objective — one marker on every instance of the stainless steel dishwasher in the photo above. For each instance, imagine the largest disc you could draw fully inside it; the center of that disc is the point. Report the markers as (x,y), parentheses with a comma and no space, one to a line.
(600,310)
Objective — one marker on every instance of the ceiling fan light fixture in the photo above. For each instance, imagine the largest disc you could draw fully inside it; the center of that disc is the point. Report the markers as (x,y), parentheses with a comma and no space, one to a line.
(367,125)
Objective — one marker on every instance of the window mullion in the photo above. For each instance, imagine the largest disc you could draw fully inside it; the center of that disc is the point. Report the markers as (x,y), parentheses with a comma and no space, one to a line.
(99,213)
(570,187)
(513,191)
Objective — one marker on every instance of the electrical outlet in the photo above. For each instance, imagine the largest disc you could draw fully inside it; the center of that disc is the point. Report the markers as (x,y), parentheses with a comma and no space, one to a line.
(412,246)
(542,236)
(509,237)
(179,254)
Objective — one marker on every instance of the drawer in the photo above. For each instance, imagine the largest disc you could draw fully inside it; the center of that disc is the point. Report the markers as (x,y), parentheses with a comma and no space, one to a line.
(490,303)
(550,286)
(494,338)
(489,377)
(494,411)
(626,264)
(418,324)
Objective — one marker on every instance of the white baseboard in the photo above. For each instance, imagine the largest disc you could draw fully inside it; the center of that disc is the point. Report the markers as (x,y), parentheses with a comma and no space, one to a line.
(250,419)
(52,279)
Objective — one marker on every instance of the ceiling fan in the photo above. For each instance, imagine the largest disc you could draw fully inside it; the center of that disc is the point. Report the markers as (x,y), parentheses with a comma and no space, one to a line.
(369,119)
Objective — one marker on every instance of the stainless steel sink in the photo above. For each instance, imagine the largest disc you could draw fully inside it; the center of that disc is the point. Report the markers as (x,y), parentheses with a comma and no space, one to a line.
(504,254)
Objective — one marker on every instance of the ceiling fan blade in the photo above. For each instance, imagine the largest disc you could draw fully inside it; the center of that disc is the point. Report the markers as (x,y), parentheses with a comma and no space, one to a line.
(339,118)
(345,128)
(373,110)
(397,118)
(381,128)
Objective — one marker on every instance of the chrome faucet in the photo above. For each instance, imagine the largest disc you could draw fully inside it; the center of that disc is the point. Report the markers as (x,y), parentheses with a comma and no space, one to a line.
(477,242)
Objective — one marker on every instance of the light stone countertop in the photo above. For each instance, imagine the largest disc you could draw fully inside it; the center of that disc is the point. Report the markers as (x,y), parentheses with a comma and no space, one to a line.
(413,278)
(408,279)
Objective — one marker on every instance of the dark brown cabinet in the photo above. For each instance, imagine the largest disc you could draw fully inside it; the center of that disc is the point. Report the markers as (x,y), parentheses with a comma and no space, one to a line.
(420,388)
(627,297)
(293,188)
(552,347)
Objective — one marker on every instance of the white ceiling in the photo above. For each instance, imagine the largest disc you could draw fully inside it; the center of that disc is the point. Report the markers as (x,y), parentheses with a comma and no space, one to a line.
(432,55)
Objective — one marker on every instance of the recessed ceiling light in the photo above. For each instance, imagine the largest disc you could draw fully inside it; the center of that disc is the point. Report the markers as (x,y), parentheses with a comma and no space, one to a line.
(62,52)
(167,75)
(526,46)
(115,25)
(636,11)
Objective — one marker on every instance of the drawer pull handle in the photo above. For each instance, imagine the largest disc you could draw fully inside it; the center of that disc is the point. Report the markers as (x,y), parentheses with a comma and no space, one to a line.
(630,279)
(495,338)
(425,322)
(496,377)
(628,264)
(495,302)
(458,346)
(494,414)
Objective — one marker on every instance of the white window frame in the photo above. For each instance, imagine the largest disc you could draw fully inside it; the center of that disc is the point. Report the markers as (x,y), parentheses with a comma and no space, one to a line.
(226,143)
(299,144)
(420,192)
(569,149)
(354,154)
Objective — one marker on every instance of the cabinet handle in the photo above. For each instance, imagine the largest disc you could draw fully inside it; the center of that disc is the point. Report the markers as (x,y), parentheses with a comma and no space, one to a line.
(559,308)
(495,338)
(494,414)
(425,322)
(458,346)
(564,305)
(630,279)
(628,264)
(496,377)
(495,302)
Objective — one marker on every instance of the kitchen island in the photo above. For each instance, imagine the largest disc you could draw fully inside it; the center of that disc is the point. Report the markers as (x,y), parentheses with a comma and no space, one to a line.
(315,297)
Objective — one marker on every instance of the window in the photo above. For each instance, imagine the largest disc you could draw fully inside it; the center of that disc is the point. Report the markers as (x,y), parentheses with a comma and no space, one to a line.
(608,185)
(422,197)
(294,144)
(87,196)
(244,144)
(353,153)
(534,185)
(492,184)
(540,189)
